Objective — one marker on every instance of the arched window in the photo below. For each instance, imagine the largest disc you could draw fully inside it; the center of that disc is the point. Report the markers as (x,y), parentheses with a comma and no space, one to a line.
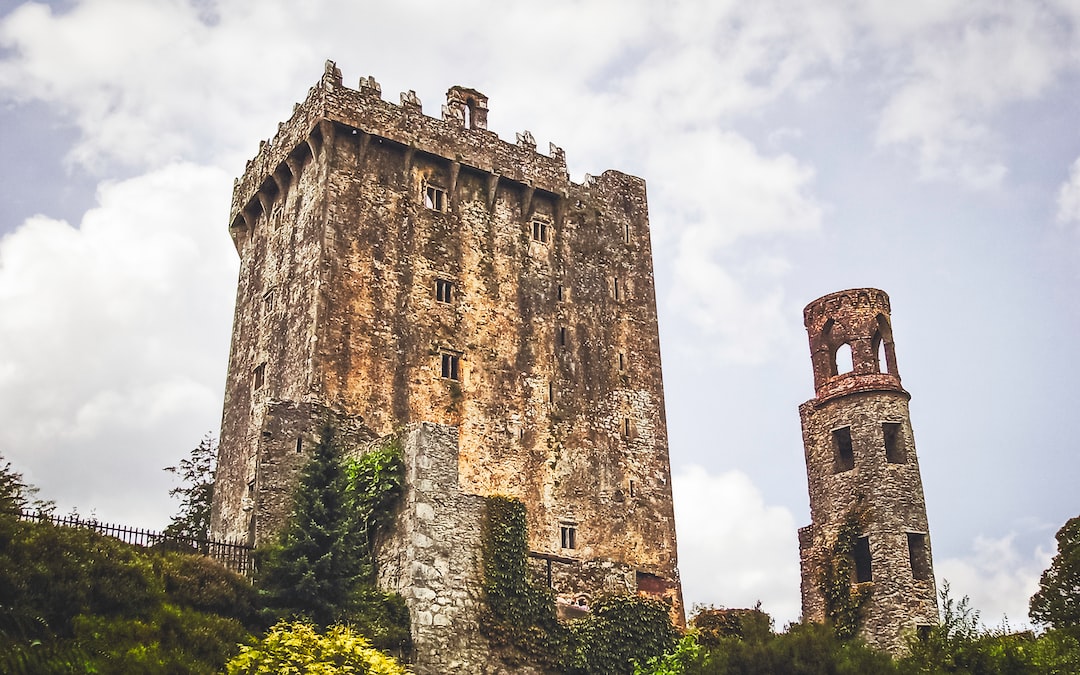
(878,347)
(469,103)
(842,359)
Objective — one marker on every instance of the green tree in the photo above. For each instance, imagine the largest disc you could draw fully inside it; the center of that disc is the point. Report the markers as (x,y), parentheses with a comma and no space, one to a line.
(196,492)
(317,565)
(16,494)
(1057,602)
(298,647)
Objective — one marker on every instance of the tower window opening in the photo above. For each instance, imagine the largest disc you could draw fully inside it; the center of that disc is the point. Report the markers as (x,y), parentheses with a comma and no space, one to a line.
(626,427)
(920,559)
(268,302)
(435,198)
(444,290)
(894,446)
(631,487)
(299,444)
(626,233)
(259,377)
(469,113)
(878,346)
(540,231)
(622,362)
(843,453)
(449,366)
(551,392)
(615,288)
(863,571)
(559,293)
(562,336)
(568,536)
(842,362)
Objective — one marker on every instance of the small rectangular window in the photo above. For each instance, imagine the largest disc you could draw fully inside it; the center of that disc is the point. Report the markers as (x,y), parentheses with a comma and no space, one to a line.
(540,231)
(560,293)
(920,559)
(615,288)
(844,455)
(551,392)
(562,336)
(894,446)
(626,427)
(299,444)
(268,303)
(626,233)
(631,487)
(435,198)
(622,362)
(863,571)
(568,536)
(259,377)
(444,290)
(449,366)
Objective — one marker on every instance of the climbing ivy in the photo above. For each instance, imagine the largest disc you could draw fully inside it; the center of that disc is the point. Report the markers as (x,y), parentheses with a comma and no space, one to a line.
(520,616)
(845,601)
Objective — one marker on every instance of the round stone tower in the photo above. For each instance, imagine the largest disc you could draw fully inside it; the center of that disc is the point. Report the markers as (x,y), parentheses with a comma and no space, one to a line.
(860,460)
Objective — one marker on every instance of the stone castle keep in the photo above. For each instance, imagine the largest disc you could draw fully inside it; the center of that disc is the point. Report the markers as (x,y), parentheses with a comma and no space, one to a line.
(860,454)
(400,271)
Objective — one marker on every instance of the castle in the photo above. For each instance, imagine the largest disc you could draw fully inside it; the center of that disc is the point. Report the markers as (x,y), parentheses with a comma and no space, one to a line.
(861,464)
(400,271)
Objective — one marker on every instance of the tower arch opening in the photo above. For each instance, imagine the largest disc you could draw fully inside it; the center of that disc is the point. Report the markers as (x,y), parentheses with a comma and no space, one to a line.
(841,359)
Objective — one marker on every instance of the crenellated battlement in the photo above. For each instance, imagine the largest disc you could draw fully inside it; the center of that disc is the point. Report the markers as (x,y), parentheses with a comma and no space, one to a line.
(460,135)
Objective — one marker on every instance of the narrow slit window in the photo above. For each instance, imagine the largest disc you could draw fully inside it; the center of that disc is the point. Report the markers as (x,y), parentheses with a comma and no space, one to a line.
(631,487)
(268,302)
(540,231)
(626,427)
(259,377)
(863,570)
(844,454)
(562,336)
(449,366)
(560,293)
(615,288)
(622,362)
(626,233)
(920,558)
(444,290)
(568,536)
(435,198)
(894,445)
(551,392)
(299,444)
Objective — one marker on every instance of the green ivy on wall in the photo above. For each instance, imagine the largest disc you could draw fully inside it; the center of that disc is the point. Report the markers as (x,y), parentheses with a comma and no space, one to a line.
(520,615)
(844,600)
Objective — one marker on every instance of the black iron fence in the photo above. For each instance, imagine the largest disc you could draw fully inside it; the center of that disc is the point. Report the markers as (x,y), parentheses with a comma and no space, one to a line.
(235,556)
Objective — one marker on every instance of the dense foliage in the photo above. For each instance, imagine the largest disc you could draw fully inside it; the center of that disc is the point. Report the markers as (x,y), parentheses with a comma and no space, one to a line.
(520,615)
(196,492)
(322,567)
(1057,602)
(958,645)
(73,600)
(298,647)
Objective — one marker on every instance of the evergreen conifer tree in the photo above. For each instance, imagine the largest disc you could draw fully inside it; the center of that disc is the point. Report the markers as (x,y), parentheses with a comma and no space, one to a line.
(315,568)
(1057,603)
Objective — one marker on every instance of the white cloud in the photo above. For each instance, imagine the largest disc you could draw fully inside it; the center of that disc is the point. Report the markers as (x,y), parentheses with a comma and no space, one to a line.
(113,338)
(735,550)
(1068,199)
(997,577)
(961,69)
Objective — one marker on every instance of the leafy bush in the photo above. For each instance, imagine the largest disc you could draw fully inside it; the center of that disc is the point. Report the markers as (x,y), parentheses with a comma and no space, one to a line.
(297,647)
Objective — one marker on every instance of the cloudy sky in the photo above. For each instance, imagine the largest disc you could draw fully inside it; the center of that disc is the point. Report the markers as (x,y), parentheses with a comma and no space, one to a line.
(929,148)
